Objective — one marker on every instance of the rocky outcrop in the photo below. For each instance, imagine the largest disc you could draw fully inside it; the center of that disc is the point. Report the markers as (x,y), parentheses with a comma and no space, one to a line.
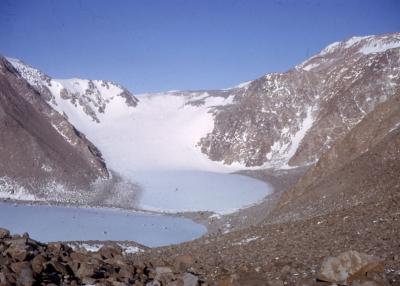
(39,148)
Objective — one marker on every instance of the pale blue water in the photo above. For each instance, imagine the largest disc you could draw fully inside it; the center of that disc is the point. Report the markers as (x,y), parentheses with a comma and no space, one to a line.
(55,223)
(179,191)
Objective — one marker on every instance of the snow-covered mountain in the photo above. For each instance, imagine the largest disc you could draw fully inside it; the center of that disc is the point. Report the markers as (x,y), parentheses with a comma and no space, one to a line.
(80,97)
(279,120)
(160,131)
(290,119)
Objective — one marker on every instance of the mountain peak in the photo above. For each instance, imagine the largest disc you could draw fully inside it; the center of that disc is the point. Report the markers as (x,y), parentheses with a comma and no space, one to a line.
(354,46)
(91,96)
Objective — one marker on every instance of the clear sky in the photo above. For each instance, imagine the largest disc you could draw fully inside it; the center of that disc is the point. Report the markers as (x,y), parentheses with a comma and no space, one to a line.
(162,45)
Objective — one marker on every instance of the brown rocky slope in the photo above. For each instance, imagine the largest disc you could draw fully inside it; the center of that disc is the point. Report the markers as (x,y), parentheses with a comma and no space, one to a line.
(364,166)
(38,147)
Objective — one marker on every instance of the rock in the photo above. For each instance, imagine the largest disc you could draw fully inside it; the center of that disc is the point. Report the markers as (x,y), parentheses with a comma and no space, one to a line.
(59,249)
(275,282)
(183,262)
(164,274)
(89,281)
(110,251)
(347,267)
(3,279)
(286,270)
(86,270)
(154,283)
(252,279)
(117,283)
(4,233)
(7,277)
(190,280)
(23,273)
(163,270)
(38,263)
(126,272)
(60,268)
(311,282)
(18,251)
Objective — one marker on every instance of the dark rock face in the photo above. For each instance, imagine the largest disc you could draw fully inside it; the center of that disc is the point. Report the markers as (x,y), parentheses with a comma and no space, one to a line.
(293,117)
(38,146)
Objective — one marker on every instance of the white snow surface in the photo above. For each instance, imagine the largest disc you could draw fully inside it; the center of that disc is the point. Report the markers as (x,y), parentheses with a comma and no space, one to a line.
(354,40)
(310,66)
(94,247)
(161,133)
(154,144)
(379,46)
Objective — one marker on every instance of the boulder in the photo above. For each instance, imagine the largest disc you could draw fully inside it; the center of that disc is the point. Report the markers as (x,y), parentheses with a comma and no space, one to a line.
(23,272)
(18,251)
(110,251)
(190,280)
(59,249)
(164,274)
(183,262)
(38,263)
(87,270)
(347,267)
(4,233)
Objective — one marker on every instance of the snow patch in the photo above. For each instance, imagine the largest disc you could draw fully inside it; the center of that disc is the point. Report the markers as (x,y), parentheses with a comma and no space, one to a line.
(94,247)
(246,240)
(282,152)
(354,40)
(11,190)
(130,249)
(310,66)
(394,127)
(330,48)
(379,47)
(243,84)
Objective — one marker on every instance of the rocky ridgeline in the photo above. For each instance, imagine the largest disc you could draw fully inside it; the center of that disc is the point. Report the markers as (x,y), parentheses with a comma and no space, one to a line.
(25,262)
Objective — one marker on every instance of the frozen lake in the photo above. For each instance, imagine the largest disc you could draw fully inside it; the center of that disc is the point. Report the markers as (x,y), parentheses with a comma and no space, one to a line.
(178,191)
(55,223)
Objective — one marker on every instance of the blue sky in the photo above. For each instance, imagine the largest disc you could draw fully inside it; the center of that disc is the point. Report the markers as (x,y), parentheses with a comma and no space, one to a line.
(162,45)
